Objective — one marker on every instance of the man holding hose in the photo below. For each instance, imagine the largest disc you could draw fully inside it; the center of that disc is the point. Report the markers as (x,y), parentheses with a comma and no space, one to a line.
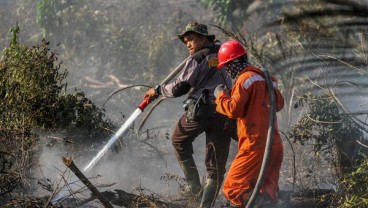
(249,103)
(198,79)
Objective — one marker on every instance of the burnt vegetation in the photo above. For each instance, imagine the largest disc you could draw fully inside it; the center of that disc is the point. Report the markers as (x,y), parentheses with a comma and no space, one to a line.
(317,49)
(34,100)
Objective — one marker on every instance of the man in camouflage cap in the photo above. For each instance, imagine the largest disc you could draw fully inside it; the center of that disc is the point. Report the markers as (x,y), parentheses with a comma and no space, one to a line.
(196,28)
(198,79)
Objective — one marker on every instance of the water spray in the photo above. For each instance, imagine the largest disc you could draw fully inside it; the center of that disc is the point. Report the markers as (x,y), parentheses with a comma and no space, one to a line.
(111,141)
(121,130)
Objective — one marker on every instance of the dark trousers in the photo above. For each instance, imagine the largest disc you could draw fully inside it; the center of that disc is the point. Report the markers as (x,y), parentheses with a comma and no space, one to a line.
(218,139)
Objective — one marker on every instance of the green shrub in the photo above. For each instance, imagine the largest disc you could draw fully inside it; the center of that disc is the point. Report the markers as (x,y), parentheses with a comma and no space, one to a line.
(34,96)
(34,101)
(331,131)
(355,187)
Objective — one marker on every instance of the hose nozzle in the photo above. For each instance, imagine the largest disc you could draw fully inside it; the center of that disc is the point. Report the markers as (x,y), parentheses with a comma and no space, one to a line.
(144,104)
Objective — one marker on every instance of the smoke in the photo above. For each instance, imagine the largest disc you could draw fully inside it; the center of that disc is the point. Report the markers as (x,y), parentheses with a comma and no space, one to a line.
(98,67)
(128,169)
(99,72)
(133,168)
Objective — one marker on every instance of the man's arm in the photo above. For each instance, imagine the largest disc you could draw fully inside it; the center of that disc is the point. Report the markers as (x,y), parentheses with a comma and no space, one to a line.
(233,106)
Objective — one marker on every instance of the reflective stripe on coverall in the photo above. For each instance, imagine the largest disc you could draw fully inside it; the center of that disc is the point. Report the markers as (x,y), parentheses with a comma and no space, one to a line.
(249,104)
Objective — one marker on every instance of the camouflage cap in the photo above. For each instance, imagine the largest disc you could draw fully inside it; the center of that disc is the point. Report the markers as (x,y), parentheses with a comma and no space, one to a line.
(196,28)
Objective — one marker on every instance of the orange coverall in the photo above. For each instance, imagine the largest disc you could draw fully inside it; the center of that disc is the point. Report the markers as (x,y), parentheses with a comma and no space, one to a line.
(249,104)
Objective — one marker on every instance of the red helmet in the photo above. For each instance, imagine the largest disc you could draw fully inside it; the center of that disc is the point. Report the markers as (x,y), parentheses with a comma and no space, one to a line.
(229,51)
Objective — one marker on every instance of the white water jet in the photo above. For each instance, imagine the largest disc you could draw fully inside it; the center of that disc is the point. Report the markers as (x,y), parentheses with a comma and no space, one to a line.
(122,129)
(101,153)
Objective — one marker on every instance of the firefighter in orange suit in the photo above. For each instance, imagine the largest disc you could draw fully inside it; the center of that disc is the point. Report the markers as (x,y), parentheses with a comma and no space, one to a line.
(249,104)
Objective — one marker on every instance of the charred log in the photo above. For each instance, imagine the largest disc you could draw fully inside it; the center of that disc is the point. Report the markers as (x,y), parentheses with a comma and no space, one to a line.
(70,164)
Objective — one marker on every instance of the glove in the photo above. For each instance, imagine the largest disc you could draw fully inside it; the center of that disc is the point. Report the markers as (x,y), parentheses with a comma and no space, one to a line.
(218,89)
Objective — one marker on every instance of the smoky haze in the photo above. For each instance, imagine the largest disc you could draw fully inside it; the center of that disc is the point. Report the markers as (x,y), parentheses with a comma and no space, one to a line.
(105,46)
(108,45)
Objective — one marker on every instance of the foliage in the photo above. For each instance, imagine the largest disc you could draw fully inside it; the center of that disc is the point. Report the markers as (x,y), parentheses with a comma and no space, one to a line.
(235,13)
(33,94)
(333,132)
(229,12)
(79,26)
(75,109)
(323,123)
(26,100)
(223,7)
(33,99)
(105,38)
(356,187)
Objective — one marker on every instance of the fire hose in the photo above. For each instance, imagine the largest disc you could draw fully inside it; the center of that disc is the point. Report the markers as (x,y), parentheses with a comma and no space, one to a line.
(122,129)
(165,81)
(130,120)
(268,147)
(146,102)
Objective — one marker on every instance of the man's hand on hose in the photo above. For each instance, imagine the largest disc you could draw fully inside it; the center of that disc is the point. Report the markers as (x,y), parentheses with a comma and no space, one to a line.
(218,89)
(152,94)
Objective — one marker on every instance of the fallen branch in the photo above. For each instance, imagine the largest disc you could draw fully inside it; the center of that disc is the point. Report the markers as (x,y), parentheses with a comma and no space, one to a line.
(128,199)
(70,164)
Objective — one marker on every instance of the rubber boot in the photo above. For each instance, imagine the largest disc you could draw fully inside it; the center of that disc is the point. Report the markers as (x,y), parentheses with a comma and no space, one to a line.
(193,186)
(210,192)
